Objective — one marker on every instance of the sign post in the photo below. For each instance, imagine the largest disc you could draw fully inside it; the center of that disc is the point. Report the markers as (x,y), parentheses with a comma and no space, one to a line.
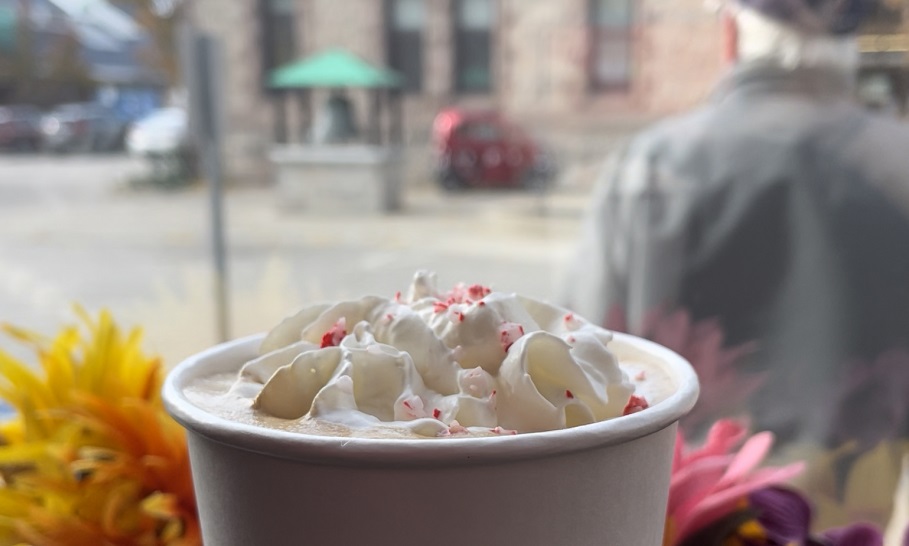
(202,71)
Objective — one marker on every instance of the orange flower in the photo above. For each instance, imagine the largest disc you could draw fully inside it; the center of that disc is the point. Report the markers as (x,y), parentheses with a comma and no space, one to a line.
(90,456)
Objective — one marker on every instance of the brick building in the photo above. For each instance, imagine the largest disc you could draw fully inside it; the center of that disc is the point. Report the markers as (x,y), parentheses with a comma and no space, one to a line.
(583,69)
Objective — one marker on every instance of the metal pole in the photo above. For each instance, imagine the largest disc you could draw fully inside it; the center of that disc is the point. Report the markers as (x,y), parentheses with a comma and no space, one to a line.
(280,135)
(209,55)
(202,71)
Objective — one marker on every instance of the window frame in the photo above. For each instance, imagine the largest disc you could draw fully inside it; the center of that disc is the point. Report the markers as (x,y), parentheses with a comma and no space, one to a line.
(415,84)
(457,34)
(269,50)
(625,34)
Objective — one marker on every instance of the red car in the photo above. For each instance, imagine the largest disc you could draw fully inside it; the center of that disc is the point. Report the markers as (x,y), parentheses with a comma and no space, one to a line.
(483,149)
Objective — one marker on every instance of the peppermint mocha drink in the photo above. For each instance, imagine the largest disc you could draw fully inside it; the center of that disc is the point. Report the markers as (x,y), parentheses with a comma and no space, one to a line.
(378,420)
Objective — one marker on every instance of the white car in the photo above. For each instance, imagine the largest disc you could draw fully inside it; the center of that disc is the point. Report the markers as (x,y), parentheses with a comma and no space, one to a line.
(163,132)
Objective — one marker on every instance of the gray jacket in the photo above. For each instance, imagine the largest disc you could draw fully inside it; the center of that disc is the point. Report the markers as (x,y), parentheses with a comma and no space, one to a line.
(779,208)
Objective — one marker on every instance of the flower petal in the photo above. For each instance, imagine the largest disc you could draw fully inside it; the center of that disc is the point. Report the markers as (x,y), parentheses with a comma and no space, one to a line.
(748,458)
(722,438)
(693,482)
(784,514)
(722,502)
(860,534)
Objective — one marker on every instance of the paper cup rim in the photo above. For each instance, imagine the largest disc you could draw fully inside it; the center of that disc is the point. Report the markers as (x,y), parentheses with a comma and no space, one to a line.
(419,452)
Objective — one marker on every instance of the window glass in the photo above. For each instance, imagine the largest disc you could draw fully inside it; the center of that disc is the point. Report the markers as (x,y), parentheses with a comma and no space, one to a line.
(473,45)
(279,40)
(404,40)
(610,44)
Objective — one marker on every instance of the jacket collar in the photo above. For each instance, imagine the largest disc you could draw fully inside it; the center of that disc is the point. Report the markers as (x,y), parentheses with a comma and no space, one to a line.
(764,78)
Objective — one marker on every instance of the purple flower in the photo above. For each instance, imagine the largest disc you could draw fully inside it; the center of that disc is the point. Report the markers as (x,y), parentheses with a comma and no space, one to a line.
(860,534)
(785,516)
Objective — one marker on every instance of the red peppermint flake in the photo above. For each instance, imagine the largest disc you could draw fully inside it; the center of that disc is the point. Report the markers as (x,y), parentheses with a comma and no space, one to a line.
(335,334)
(509,332)
(436,413)
(500,430)
(568,317)
(460,316)
(481,303)
(469,294)
(439,306)
(635,404)
(478,292)
(568,394)
(398,296)
(407,404)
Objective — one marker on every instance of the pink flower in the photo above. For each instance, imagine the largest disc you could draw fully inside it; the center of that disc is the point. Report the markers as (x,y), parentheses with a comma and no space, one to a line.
(712,481)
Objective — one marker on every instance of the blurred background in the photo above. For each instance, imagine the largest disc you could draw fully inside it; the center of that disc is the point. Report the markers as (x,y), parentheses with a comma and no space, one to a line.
(347,144)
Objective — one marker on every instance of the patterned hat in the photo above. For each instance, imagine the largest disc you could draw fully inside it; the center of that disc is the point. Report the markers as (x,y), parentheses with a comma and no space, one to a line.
(816,16)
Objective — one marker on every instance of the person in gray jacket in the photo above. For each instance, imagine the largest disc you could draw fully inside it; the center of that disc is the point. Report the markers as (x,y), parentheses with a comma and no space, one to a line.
(780,210)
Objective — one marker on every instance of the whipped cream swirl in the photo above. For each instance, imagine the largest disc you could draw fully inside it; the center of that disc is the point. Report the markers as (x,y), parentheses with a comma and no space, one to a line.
(462,362)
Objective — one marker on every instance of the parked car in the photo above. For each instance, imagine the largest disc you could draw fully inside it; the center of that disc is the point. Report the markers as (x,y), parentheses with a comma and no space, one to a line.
(82,127)
(162,132)
(484,149)
(20,127)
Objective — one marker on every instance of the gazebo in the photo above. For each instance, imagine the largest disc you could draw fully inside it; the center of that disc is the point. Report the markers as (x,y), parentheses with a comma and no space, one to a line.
(350,176)
(338,69)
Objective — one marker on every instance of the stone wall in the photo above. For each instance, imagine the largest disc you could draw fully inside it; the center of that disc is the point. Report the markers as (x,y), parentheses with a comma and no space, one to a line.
(539,66)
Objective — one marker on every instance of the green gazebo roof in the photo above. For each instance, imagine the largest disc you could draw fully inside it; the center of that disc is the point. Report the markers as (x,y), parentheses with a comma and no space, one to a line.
(332,68)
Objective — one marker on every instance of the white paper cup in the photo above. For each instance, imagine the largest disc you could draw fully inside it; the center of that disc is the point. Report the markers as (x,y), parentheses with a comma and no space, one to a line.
(605,484)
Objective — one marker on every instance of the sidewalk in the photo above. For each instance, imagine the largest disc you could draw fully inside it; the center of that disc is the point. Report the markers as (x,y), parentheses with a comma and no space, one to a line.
(145,255)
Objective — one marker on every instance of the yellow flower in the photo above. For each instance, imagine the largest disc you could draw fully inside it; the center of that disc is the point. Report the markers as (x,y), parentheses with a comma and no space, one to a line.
(90,457)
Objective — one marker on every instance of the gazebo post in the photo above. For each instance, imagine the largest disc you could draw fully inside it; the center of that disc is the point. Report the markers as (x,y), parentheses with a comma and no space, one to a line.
(280,118)
(396,122)
(375,119)
(304,106)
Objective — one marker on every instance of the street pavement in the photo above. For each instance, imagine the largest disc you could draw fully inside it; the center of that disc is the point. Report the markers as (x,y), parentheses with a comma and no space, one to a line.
(74,229)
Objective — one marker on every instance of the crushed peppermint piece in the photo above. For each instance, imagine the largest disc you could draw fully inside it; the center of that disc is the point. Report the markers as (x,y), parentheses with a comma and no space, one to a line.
(334,335)
(635,404)
(568,394)
(439,306)
(509,332)
(413,407)
(467,294)
(457,428)
(398,296)
(478,292)
(572,322)
(500,430)
(436,413)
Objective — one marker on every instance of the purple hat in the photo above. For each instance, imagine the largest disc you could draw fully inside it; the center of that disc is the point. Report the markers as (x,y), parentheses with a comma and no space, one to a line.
(817,16)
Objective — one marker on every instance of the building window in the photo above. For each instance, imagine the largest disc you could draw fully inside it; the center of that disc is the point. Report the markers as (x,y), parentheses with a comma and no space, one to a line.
(404,23)
(610,43)
(279,40)
(474,20)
